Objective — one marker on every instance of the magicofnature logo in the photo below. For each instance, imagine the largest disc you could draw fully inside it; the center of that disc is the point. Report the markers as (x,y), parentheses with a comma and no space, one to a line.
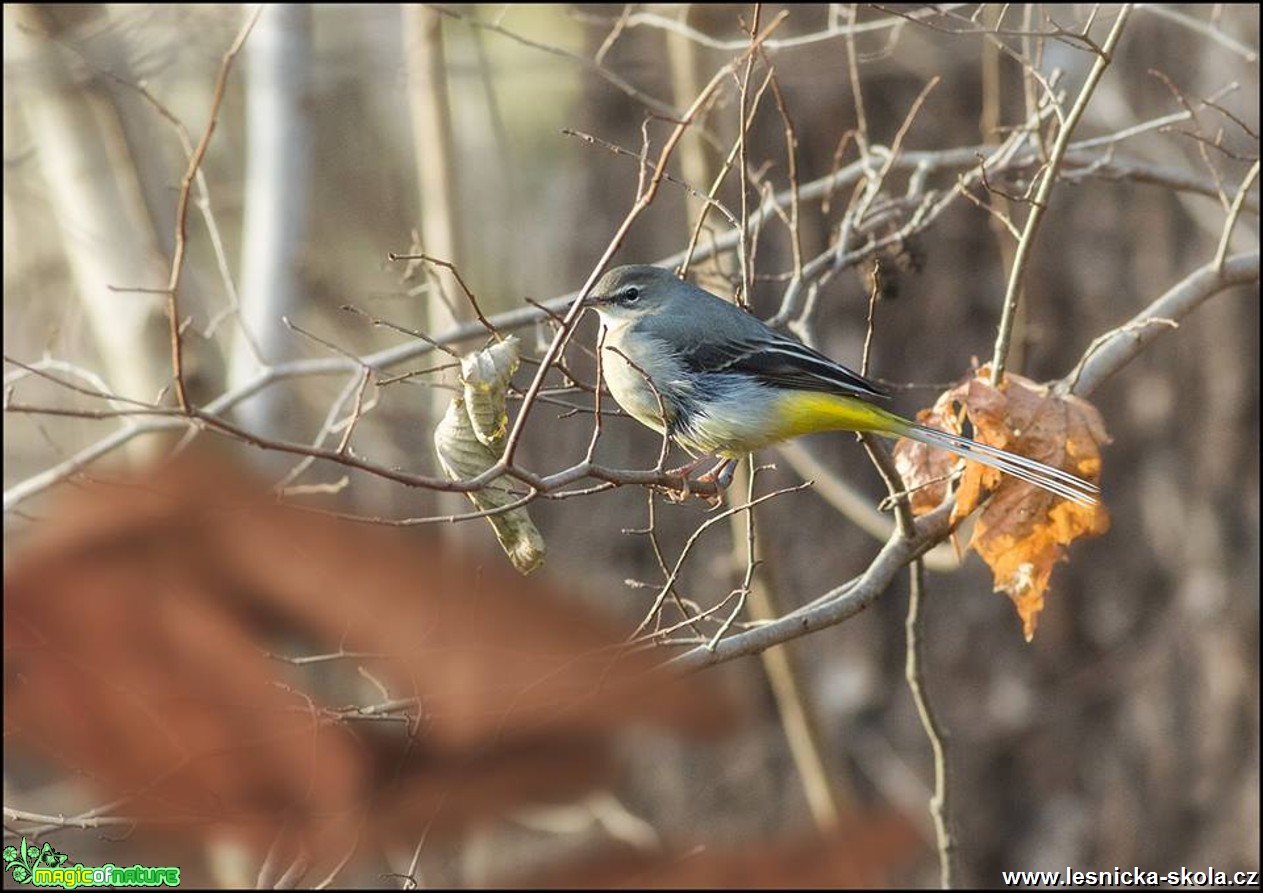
(22,862)
(43,866)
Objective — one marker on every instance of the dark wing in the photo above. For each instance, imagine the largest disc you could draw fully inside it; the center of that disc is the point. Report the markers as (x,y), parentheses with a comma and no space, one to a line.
(781,361)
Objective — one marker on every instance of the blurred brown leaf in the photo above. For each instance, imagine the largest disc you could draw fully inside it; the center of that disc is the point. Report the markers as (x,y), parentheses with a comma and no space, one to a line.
(142,627)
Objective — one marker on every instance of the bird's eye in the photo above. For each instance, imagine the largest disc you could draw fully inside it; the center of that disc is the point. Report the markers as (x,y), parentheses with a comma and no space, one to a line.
(630,295)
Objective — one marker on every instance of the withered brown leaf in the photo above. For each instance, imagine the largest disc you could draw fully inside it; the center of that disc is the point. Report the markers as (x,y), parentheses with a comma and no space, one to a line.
(1023,530)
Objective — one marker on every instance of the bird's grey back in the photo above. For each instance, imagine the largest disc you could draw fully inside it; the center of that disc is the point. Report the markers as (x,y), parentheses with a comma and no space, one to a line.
(709,335)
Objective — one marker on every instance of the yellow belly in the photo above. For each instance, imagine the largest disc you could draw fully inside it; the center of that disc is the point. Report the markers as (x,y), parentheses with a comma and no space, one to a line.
(762,417)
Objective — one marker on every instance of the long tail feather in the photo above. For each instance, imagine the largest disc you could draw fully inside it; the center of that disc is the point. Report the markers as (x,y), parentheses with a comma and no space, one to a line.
(1051,479)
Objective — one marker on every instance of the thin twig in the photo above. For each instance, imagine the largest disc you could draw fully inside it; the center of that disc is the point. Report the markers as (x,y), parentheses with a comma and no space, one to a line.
(744,257)
(592,65)
(182,206)
(1238,201)
(825,800)
(914,672)
(1040,202)
(892,23)
(451,268)
(644,199)
(1112,351)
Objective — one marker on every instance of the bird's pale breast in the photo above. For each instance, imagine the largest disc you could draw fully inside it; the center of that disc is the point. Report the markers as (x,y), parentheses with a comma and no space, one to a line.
(652,385)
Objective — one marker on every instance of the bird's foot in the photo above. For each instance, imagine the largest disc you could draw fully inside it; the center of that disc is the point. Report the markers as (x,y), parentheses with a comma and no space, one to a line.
(708,486)
(685,490)
(720,475)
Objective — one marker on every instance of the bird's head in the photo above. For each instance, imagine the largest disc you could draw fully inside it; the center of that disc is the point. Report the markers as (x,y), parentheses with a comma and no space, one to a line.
(627,293)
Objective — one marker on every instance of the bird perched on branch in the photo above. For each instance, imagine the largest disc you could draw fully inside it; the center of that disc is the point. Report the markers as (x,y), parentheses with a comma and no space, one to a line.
(717,380)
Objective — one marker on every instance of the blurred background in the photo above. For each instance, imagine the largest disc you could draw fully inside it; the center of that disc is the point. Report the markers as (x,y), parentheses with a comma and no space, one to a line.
(507,140)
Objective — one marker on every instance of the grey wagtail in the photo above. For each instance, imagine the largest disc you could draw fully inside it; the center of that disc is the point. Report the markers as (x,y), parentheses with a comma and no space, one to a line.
(717,380)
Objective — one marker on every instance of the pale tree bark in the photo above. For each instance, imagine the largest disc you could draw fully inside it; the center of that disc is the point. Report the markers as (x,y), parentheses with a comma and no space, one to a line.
(277,192)
(94,194)
(439,219)
(432,138)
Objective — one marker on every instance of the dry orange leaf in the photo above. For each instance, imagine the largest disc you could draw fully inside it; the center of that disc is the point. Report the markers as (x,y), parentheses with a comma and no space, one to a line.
(925,470)
(1023,530)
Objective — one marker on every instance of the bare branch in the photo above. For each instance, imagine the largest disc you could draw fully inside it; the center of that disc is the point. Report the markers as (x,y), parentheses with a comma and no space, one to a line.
(182,207)
(1115,349)
(1040,201)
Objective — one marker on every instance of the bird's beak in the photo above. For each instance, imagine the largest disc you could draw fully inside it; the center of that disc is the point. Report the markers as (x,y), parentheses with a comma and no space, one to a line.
(594,300)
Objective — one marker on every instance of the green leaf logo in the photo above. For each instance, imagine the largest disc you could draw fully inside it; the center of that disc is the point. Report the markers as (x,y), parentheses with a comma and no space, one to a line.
(21,863)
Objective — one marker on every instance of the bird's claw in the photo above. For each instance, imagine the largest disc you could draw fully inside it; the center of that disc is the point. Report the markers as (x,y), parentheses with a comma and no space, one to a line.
(721,474)
(712,483)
